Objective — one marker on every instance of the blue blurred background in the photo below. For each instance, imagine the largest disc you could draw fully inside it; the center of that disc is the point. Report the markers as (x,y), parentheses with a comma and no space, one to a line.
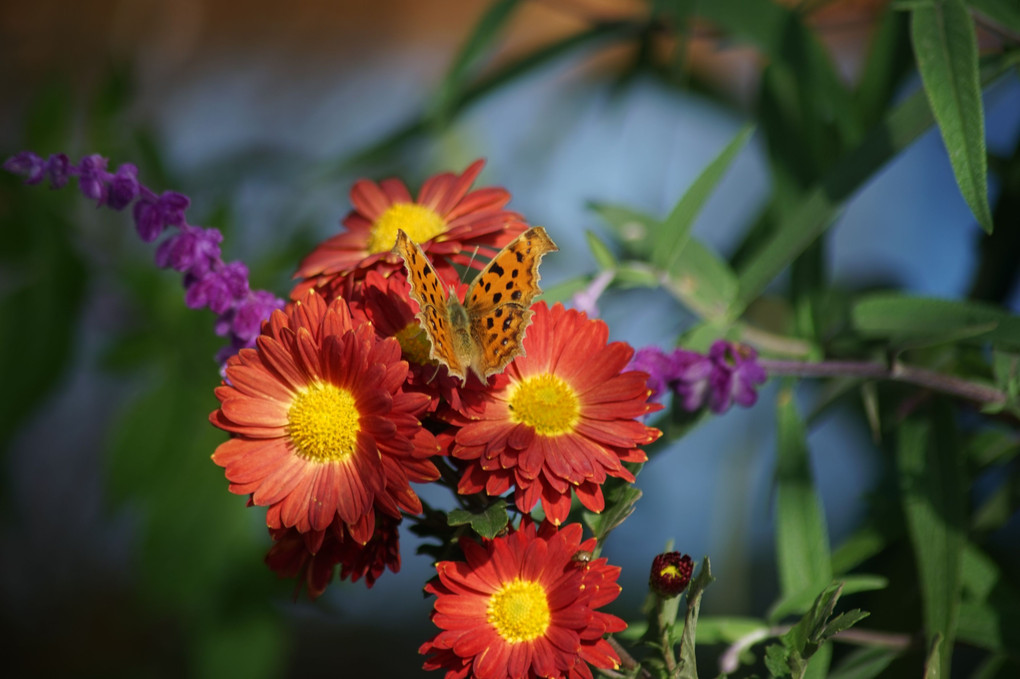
(122,553)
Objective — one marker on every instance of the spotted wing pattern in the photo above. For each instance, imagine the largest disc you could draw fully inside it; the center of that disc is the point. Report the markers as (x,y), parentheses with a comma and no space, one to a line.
(499,298)
(429,292)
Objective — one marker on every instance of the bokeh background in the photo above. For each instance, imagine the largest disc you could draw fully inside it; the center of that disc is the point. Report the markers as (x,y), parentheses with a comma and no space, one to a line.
(122,554)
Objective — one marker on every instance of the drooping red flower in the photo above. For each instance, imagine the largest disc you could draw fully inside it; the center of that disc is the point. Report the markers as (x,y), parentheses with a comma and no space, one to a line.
(560,419)
(312,557)
(522,606)
(321,426)
(447,219)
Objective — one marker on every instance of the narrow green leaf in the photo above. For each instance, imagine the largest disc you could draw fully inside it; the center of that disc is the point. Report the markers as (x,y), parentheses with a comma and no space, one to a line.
(702,282)
(801,601)
(902,318)
(671,237)
(942,34)
(480,88)
(688,668)
(866,663)
(726,630)
(563,291)
(603,255)
(933,663)
(632,229)
(819,208)
(481,40)
(991,625)
(1006,13)
(802,540)
(932,493)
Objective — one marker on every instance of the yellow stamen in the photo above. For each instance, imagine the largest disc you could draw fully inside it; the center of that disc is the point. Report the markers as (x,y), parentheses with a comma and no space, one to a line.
(519,611)
(417,221)
(323,423)
(670,571)
(545,403)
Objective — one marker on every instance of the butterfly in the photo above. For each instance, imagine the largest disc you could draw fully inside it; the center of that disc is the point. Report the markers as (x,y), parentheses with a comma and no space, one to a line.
(486,332)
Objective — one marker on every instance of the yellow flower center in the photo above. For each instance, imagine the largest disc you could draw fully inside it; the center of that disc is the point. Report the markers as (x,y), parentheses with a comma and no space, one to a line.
(670,571)
(418,222)
(414,343)
(519,611)
(323,423)
(545,403)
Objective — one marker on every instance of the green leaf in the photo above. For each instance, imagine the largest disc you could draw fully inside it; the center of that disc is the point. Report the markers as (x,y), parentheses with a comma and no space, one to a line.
(486,523)
(612,31)
(633,229)
(801,601)
(889,59)
(991,625)
(818,210)
(701,281)
(726,629)
(802,540)
(932,493)
(902,318)
(942,34)
(933,663)
(688,666)
(603,255)
(670,238)
(804,648)
(481,40)
(1006,13)
(865,663)
(619,505)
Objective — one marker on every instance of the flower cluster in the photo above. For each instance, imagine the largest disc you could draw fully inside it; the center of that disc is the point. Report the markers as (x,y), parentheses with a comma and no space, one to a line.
(191,250)
(335,407)
(728,374)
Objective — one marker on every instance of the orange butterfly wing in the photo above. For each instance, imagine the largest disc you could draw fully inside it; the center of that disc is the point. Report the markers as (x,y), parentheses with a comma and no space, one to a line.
(499,298)
(430,294)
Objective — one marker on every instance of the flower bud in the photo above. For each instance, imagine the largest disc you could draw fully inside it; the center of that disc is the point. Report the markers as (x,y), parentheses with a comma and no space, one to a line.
(671,571)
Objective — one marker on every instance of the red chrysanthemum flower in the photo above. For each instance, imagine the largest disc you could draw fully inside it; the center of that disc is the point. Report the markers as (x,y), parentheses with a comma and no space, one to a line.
(321,426)
(522,607)
(385,302)
(447,219)
(312,557)
(561,417)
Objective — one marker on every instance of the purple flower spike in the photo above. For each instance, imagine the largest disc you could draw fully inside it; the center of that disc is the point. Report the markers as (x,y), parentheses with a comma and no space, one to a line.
(192,251)
(151,217)
(692,371)
(735,376)
(28,165)
(246,321)
(659,367)
(92,178)
(218,290)
(123,187)
(58,168)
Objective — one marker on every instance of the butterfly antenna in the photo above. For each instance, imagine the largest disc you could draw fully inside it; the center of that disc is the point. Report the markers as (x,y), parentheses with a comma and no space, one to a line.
(434,373)
(473,255)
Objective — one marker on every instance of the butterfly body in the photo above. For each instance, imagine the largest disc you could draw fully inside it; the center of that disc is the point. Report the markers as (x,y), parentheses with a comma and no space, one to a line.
(485,332)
